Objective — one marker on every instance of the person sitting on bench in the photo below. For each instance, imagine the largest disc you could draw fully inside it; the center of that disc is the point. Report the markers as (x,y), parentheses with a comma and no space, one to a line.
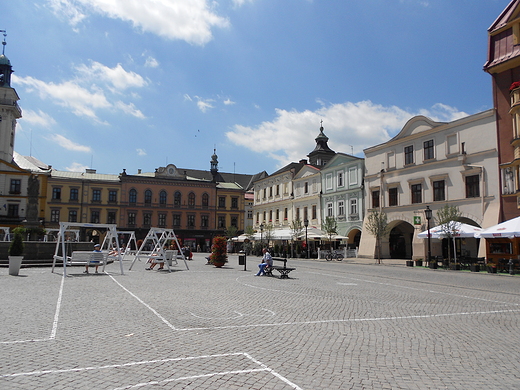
(97,249)
(267,261)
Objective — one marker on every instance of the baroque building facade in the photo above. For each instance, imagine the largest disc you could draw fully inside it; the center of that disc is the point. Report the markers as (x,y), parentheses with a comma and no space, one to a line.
(432,164)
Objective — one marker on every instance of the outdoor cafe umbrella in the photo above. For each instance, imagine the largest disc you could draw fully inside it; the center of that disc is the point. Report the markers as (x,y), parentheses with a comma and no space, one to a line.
(457,229)
(507,229)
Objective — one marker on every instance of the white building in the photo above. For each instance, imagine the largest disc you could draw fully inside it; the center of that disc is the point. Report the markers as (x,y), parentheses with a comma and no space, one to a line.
(342,195)
(432,164)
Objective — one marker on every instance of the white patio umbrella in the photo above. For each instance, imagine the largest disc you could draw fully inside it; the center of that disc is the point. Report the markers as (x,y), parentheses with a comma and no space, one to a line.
(507,229)
(458,230)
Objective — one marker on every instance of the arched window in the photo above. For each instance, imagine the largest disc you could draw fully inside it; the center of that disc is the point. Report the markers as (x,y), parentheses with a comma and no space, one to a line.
(132,196)
(177,198)
(162,198)
(191,199)
(148,197)
(205,200)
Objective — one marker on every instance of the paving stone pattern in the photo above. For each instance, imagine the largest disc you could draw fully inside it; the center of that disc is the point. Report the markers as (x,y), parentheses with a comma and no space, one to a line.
(333,325)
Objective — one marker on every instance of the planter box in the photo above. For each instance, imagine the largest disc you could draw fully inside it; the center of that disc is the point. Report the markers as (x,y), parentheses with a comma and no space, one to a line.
(409,263)
(491,270)
(455,267)
(474,267)
(433,265)
(418,263)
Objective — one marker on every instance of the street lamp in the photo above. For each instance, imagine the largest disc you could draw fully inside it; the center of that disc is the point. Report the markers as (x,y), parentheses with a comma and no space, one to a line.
(428,214)
(262,234)
(306,223)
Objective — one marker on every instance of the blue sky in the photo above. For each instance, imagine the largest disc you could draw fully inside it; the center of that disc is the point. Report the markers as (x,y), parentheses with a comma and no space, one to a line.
(138,84)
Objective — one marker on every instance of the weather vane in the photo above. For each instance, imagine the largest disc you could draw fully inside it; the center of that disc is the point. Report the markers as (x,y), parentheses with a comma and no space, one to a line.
(3,42)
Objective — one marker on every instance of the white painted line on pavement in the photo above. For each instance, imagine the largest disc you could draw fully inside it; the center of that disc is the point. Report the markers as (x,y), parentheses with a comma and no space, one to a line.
(425,316)
(263,368)
(54,324)
(145,304)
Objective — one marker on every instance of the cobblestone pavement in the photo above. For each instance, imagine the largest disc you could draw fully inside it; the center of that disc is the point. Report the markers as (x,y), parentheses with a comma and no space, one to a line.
(332,325)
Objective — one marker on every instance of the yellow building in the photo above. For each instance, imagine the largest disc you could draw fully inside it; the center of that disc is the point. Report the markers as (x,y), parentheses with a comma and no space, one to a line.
(86,197)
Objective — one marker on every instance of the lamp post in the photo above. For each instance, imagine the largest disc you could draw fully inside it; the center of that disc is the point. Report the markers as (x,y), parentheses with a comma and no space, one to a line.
(262,235)
(428,214)
(306,223)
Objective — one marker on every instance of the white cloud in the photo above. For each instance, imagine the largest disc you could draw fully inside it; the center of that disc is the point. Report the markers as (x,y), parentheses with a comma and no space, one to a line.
(204,104)
(38,118)
(90,91)
(68,94)
(151,62)
(119,78)
(69,145)
(67,11)
(290,136)
(77,167)
(188,20)
(141,152)
(228,102)
(130,109)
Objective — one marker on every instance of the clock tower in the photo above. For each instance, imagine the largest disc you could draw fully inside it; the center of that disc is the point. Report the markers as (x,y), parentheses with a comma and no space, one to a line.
(9,109)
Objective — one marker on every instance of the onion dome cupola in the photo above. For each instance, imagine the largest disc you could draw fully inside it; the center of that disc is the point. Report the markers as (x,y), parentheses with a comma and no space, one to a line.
(217,177)
(5,66)
(321,154)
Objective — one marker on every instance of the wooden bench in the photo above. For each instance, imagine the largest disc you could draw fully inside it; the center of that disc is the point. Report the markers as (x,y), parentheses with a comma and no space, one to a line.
(284,271)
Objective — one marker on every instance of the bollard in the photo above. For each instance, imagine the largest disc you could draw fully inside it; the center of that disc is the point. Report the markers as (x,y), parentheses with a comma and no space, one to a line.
(511,271)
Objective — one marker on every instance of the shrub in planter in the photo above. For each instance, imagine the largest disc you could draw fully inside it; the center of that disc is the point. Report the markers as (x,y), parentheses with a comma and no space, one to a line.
(17,246)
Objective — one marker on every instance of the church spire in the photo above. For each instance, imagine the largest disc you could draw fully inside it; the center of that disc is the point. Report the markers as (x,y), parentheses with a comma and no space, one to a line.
(321,154)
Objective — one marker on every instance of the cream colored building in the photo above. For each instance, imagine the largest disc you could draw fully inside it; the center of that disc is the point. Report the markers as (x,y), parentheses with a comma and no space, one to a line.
(432,164)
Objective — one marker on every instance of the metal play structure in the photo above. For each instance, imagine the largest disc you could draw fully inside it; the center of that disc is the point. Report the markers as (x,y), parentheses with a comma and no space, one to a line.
(158,238)
(128,248)
(61,243)
(50,232)
(7,234)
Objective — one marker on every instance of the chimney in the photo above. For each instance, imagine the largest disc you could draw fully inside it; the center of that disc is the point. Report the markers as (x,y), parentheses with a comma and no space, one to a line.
(139,171)
(303,161)
(88,170)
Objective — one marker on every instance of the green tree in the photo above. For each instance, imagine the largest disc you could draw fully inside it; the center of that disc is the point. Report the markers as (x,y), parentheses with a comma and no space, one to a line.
(377,225)
(330,227)
(448,218)
(231,231)
(268,233)
(296,232)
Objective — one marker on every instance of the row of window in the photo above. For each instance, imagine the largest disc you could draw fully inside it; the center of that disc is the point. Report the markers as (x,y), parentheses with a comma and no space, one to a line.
(274,189)
(353,203)
(439,192)
(74,195)
(133,196)
(147,219)
(268,215)
(95,216)
(340,181)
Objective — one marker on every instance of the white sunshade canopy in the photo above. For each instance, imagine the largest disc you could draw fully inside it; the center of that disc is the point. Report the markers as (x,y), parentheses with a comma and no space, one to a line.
(461,229)
(507,229)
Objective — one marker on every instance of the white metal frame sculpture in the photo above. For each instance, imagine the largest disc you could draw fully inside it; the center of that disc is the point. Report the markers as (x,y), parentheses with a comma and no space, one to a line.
(64,226)
(49,232)
(128,249)
(158,237)
(7,234)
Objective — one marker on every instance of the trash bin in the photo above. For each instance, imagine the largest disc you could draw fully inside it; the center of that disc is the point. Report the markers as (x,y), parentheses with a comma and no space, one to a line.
(242,259)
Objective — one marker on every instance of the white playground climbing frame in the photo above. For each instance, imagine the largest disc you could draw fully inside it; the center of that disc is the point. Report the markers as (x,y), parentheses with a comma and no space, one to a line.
(64,226)
(158,237)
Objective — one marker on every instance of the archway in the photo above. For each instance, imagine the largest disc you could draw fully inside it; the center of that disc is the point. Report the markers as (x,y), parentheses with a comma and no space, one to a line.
(400,241)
